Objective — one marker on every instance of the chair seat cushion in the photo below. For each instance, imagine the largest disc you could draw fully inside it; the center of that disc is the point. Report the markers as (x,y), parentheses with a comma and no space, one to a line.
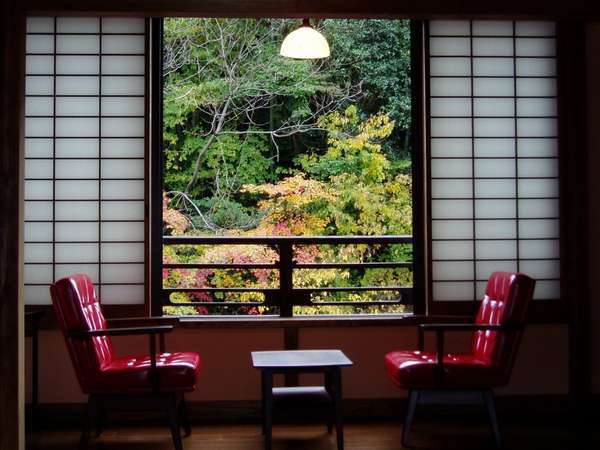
(417,370)
(177,372)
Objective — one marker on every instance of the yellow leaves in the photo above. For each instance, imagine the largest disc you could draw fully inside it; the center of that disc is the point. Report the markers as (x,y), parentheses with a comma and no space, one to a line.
(174,221)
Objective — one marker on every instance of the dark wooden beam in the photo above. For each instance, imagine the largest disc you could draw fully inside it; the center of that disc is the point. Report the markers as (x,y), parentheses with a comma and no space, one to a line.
(414,9)
(12,62)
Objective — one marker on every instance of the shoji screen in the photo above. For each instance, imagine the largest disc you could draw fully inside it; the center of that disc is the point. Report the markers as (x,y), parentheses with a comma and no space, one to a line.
(493,155)
(84,155)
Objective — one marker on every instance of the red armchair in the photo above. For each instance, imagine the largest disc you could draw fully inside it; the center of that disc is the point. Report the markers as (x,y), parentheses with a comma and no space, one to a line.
(108,378)
(438,377)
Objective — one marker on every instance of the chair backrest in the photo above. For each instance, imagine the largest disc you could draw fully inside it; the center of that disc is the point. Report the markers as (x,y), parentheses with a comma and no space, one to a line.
(78,309)
(507,297)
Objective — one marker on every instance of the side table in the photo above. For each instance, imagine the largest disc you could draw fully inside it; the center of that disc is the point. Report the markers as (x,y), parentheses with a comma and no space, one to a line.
(327,362)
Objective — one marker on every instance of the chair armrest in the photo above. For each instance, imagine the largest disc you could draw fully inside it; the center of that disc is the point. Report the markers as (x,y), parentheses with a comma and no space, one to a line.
(159,329)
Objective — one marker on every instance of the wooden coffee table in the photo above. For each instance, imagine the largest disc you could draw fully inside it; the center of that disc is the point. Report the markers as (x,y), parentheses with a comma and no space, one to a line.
(327,362)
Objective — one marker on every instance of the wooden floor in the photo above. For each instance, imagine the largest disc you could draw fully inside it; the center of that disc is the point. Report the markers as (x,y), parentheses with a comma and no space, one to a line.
(428,434)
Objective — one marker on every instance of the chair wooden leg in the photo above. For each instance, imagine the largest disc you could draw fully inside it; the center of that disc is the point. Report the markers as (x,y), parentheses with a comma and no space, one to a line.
(88,422)
(173,422)
(413,398)
(100,417)
(490,404)
(185,418)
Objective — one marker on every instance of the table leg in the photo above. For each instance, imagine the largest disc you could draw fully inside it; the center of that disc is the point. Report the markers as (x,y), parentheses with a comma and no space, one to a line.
(267,404)
(331,414)
(337,402)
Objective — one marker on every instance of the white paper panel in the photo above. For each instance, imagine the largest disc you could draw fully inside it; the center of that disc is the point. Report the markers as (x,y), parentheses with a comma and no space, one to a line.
(77,148)
(40,25)
(495,188)
(441,147)
(38,169)
(124,106)
(495,249)
(450,107)
(123,44)
(495,229)
(450,127)
(122,148)
(116,253)
(541,269)
(537,127)
(115,85)
(123,65)
(495,209)
(457,271)
(449,47)
(77,25)
(37,295)
(493,87)
(123,25)
(539,249)
(485,268)
(538,168)
(91,270)
(539,228)
(38,211)
(536,67)
(494,107)
(536,107)
(492,46)
(452,229)
(74,210)
(38,232)
(451,209)
(451,168)
(77,65)
(38,273)
(43,43)
(535,28)
(39,85)
(451,250)
(495,67)
(77,106)
(38,190)
(123,231)
(494,168)
(546,147)
(457,87)
(451,188)
(114,168)
(76,190)
(492,28)
(538,188)
(536,87)
(39,106)
(123,273)
(452,291)
(119,295)
(538,209)
(39,65)
(76,127)
(448,66)
(79,168)
(123,127)
(66,85)
(449,27)
(76,231)
(38,253)
(38,148)
(122,189)
(536,47)
(77,44)
(76,253)
(123,210)
(494,147)
(38,127)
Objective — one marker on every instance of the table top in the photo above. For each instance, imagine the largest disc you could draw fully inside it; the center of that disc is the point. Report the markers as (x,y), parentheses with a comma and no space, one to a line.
(295,359)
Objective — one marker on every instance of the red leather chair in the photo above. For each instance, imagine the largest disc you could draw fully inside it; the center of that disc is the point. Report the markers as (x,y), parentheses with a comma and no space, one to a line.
(106,377)
(436,377)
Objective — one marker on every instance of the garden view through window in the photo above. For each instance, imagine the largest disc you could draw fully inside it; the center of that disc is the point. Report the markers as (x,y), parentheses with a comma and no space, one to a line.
(258,145)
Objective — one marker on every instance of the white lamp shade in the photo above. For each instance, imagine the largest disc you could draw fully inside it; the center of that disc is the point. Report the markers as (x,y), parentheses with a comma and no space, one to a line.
(305,43)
